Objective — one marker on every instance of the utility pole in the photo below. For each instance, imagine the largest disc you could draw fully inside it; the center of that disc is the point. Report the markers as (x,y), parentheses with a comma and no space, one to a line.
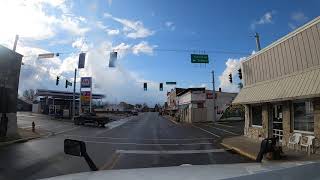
(214,97)
(15,43)
(257,41)
(74,94)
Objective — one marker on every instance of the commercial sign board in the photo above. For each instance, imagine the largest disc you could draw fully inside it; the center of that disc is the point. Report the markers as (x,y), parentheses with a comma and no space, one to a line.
(209,96)
(199,58)
(86,82)
(85,98)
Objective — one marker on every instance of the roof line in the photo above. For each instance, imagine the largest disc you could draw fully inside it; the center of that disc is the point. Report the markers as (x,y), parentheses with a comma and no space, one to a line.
(286,37)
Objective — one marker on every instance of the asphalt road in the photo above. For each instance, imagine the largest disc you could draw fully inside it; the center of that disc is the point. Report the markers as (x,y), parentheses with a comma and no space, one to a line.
(146,140)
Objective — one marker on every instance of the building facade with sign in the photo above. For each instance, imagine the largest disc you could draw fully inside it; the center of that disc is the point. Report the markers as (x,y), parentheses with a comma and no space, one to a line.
(281,90)
(197,104)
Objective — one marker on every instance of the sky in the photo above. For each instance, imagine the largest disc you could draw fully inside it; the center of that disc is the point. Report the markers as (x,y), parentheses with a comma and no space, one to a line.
(154,40)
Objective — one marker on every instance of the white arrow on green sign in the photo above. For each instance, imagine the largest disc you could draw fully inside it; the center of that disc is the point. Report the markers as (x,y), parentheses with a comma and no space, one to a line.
(199,58)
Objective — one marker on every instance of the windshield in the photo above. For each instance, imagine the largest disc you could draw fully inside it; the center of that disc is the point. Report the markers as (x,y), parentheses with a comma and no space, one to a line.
(142,84)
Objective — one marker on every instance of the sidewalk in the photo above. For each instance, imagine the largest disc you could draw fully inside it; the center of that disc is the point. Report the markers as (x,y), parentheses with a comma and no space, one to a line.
(23,136)
(250,148)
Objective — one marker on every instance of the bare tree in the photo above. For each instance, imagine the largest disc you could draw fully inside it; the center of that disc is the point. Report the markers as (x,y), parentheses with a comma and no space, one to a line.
(29,94)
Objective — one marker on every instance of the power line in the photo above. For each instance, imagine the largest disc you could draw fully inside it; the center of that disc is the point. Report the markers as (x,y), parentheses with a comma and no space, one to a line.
(163,50)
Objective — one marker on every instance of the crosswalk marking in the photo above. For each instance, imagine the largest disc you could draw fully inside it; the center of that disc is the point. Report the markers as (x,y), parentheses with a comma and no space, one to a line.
(170,152)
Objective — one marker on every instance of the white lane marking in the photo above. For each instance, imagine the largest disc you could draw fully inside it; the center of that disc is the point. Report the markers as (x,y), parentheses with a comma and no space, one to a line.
(223,130)
(161,139)
(114,124)
(223,125)
(205,130)
(67,130)
(170,152)
(148,144)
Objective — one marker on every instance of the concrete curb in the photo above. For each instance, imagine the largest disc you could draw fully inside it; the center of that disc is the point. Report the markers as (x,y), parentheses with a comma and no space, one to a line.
(239,151)
(19,140)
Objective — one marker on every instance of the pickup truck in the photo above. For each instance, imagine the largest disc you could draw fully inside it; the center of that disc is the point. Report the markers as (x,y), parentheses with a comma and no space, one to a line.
(91,118)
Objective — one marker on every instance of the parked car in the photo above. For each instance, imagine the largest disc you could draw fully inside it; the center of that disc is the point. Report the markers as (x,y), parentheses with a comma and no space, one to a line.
(135,113)
(91,118)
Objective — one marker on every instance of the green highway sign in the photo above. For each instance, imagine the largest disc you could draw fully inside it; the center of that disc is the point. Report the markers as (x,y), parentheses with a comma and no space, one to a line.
(199,58)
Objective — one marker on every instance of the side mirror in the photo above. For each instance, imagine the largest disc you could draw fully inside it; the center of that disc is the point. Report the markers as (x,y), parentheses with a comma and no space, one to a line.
(78,148)
(74,147)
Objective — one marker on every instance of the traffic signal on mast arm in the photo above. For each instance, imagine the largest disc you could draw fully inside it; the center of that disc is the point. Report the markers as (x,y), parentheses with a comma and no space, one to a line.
(161,87)
(230,78)
(240,74)
(145,86)
(57,81)
(68,83)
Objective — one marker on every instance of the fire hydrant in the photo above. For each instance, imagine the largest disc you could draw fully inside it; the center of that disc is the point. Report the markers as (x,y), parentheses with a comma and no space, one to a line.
(33,126)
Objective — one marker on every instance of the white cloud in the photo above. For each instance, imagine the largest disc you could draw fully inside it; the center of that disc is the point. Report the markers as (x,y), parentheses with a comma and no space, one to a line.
(80,44)
(132,29)
(101,25)
(267,18)
(170,25)
(112,32)
(30,20)
(72,25)
(232,66)
(123,49)
(297,19)
(143,47)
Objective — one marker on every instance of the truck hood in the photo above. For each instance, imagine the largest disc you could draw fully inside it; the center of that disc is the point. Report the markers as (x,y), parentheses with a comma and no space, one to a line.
(268,170)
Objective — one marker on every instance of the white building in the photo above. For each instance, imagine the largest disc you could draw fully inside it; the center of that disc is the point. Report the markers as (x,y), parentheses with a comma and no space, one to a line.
(197,104)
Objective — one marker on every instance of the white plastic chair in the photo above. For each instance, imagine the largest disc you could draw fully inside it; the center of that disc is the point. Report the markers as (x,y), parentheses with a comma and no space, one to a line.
(294,140)
(308,144)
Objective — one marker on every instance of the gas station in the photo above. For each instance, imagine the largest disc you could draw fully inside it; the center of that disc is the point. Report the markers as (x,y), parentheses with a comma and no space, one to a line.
(59,103)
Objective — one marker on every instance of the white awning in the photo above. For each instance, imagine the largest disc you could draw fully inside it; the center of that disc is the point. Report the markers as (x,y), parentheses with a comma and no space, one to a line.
(300,85)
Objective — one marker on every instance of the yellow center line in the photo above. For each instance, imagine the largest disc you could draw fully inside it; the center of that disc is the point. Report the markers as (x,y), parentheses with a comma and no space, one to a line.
(110,164)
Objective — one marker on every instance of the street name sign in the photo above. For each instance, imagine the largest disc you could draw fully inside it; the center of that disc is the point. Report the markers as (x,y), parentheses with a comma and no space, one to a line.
(171,83)
(199,58)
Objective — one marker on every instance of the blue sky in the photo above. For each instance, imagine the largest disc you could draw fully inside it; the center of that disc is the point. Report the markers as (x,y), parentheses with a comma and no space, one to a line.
(142,29)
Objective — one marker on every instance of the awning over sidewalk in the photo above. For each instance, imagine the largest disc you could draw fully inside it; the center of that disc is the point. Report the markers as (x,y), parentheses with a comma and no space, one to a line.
(301,85)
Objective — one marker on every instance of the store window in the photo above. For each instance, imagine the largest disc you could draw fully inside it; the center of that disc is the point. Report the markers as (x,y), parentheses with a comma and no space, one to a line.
(303,116)
(256,115)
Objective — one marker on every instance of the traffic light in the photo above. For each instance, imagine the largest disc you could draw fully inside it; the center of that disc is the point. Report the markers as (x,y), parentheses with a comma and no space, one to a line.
(240,74)
(161,87)
(230,78)
(68,83)
(57,81)
(145,87)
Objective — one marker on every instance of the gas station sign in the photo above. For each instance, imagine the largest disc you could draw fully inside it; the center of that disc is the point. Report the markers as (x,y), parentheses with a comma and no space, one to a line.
(86,82)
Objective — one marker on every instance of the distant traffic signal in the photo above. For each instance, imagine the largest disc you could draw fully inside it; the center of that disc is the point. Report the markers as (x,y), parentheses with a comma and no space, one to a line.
(68,83)
(57,81)
(230,78)
(161,87)
(145,87)
(82,59)
(240,74)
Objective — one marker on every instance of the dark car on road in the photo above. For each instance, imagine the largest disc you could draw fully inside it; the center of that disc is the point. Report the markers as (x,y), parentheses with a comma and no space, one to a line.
(91,118)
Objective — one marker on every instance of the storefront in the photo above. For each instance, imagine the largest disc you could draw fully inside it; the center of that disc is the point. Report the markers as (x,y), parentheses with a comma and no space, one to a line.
(281,92)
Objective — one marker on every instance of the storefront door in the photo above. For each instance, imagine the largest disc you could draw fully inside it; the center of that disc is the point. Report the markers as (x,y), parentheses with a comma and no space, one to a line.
(277,125)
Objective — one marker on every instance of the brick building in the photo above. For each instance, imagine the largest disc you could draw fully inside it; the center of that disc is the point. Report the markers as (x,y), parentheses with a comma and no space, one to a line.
(281,90)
